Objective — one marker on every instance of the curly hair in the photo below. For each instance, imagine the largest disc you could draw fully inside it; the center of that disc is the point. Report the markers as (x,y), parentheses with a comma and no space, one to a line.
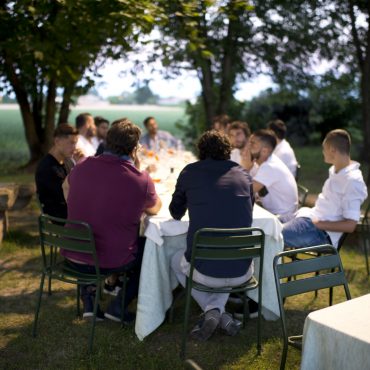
(122,137)
(214,145)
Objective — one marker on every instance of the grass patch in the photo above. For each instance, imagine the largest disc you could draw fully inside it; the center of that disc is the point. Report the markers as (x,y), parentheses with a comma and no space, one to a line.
(62,337)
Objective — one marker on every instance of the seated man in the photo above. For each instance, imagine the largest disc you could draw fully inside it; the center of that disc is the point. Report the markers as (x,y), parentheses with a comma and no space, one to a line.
(86,132)
(283,150)
(52,171)
(114,215)
(221,123)
(273,181)
(156,139)
(239,134)
(102,127)
(337,209)
(218,193)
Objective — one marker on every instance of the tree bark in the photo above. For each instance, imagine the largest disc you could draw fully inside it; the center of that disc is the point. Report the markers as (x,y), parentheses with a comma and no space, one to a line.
(32,138)
(50,115)
(64,108)
(208,96)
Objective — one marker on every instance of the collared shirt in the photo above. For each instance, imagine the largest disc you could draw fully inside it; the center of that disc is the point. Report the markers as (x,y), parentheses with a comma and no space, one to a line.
(110,194)
(285,152)
(282,196)
(340,199)
(85,146)
(162,140)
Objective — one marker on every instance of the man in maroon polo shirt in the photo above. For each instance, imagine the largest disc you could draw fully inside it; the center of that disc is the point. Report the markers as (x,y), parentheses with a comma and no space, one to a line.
(110,193)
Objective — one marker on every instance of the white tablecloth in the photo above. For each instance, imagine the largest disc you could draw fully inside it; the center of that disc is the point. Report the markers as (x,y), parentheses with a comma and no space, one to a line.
(338,337)
(165,237)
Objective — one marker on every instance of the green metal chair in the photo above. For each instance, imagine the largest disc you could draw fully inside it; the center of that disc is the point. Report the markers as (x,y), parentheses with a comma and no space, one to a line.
(365,236)
(302,195)
(298,172)
(226,244)
(325,262)
(73,236)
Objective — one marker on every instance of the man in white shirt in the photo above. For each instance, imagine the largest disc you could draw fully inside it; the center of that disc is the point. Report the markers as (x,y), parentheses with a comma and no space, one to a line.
(273,181)
(283,149)
(86,131)
(102,127)
(239,134)
(337,209)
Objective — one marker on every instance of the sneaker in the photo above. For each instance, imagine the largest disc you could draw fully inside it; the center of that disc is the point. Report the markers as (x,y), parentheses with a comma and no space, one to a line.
(228,325)
(253,310)
(88,304)
(114,313)
(204,329)
(235,298)
(112,289)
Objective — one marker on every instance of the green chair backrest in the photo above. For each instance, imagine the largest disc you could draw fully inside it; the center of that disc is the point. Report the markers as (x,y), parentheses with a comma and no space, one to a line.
(302,195)
(75,236)
(228,244)
(327,259)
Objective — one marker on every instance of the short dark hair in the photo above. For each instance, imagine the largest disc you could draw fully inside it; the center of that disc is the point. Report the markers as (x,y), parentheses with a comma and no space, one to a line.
(146,120)
(81,119)
(64,130)
(215,145)
(279,128)
(267,137)
(222,119)
(99,120)
(122,137)
(239,125)
(340,140)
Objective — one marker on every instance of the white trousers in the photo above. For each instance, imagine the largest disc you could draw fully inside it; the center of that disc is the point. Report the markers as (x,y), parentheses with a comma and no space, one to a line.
(207,301)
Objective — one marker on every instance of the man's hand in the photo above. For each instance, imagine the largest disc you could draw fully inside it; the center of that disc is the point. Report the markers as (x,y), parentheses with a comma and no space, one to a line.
(78,155)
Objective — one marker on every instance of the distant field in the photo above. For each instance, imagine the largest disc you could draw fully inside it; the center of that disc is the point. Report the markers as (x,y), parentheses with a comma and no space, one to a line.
(13,147)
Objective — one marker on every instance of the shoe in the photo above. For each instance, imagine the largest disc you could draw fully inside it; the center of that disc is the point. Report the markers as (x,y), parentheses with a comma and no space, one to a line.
(112,289)
(228,325)
(114,313)
(235,298)
(88,305)
(253,310)
(204,329)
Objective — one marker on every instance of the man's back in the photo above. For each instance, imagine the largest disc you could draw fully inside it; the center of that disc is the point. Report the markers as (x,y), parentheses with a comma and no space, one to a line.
(217,194)
(286,154)
(49,177)
(282,196)
(110,194)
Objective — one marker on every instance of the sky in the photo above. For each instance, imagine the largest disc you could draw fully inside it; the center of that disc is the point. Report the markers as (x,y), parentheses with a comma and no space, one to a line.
(114,81)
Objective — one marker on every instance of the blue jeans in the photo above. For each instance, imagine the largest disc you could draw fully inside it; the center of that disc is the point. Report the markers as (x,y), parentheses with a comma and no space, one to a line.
(301,232)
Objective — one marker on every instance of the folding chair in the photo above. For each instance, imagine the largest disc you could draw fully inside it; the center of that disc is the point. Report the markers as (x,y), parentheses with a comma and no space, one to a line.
(225,245)
(319,259)
(75,236)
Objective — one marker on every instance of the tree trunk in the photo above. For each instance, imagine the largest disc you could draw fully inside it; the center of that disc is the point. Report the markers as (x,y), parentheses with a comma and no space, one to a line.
(32,138)
(50,116)
(227,73)
(64,108)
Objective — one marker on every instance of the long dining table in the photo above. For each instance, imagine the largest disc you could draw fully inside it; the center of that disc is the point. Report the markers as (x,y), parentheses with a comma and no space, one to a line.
(165,236)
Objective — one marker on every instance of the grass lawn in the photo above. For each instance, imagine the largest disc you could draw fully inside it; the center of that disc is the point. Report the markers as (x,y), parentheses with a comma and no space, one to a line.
(62,339)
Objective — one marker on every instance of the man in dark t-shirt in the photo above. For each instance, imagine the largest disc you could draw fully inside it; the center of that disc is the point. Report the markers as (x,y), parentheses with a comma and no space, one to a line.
(53,169)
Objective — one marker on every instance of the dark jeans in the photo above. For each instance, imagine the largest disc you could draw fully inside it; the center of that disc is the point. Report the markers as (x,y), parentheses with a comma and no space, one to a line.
(133,269)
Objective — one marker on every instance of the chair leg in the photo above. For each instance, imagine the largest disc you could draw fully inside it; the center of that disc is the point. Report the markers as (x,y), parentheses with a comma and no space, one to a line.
(331,296)
(317,273)
(51,263)
(78,301)
(284,355)
(123,291)
(96,302)
(245,309)
(366,257)
(259,324)
(34,329)
(186,319)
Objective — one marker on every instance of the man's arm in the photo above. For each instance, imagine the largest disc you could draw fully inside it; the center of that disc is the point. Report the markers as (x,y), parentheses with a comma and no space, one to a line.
(178,204)
(257,186)
(343,226)
(155,209)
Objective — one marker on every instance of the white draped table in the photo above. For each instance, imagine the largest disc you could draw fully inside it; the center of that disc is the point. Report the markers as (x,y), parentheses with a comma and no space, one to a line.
(338,337)
(165,237)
